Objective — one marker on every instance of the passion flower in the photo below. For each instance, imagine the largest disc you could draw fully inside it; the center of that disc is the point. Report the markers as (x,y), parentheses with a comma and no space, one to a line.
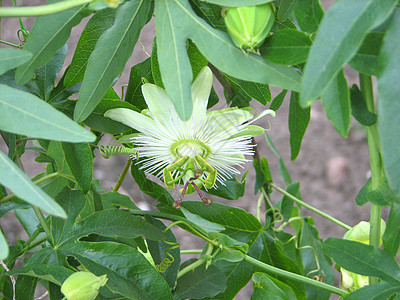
(248,26)
(83,286)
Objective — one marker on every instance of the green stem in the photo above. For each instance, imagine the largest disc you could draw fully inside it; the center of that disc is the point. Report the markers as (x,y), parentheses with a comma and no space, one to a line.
(293,276)
(308,206)
(43,222)
(196,264)
(10,44)
(375,165)
(192,251)
(32,11)
(40,180)
(122,176)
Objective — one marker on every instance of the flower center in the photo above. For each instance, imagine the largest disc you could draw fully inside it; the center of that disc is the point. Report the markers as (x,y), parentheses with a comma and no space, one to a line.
(189,148)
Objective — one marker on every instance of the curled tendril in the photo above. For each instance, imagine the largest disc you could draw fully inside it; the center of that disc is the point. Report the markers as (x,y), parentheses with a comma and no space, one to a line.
(107,151)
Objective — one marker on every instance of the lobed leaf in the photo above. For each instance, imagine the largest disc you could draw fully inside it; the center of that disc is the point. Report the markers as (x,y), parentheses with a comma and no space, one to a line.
(202,282)
(129,273)
(388,104)
(108,59)
(339,36)
(298,122)
(286,47)
(24,113)
(268,287)
(308,14)
(48,34)
(100,22)
(363,259)
(11,58)
(336,102)
(21,185)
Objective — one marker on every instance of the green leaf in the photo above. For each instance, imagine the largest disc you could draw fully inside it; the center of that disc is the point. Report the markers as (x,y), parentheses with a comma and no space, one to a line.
(203,223)
(211,13)
(388,104)
(312,252)
(339,36)
(117,199)
(286,8)
(359,108)
(231,190)
(336,102)
(114,223)
(175,23)
(308,14)
(366,59)
(231,218)
(234,3)
(108,59)
(159,250)
(363,259)
(134,93)
(381,196)
(268,287)
(254,90)
(48,34)
(283,172)
(100,22)
(200,283)
(379,291)
(391,237)
(21,185)
(11,58)
(4,251)
(263,175)
(298,122)
(274,254)
(51,273)
(149,187)
(98,122)
(286,47)
(129,273)
(45,76)
(287,203)
(239,273)
(24,113)
(80,161)
(278,100)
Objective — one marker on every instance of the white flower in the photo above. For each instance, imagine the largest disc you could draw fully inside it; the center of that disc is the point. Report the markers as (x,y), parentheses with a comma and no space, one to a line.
(206,148)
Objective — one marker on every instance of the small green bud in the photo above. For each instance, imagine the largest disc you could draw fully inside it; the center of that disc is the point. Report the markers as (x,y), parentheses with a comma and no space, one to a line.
(360,233)
(83,286)
(248,26)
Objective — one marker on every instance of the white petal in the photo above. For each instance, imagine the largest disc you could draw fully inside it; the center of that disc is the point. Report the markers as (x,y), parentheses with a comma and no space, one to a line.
(130,118)
(157,100)
(201,89)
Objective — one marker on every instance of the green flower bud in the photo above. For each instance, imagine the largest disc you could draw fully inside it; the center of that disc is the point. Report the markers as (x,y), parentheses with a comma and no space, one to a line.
(360,233)
(82,286)
(248,26)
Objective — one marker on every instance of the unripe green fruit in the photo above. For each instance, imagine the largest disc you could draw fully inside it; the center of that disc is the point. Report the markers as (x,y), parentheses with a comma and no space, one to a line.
(82,286)
(248,26)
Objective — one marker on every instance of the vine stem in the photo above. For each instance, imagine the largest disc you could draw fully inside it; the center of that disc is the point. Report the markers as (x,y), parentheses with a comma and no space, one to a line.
(196,264)
(294,276)
(32,11)
(10,44)
(122,176)
(375,165)
(312,208)
(40,180)
(43,222)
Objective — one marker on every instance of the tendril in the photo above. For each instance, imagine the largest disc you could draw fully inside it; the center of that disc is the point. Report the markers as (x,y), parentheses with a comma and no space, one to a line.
(107,151)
